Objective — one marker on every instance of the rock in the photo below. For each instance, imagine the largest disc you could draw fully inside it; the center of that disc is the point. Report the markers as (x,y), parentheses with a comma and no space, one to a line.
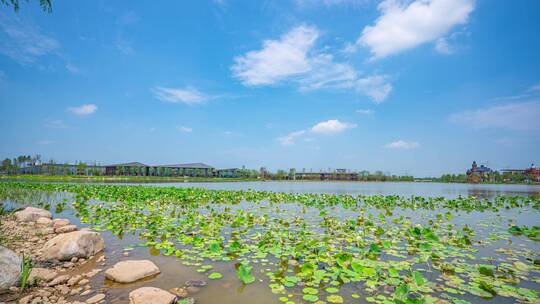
(65,229)
(73,244)
(196,283)
(74,259)
(59,280)
(131,271)
(151,295)
(63,289)
(48,230)
(84,282)
(86,292)
(10,266)
(179,291)
(25,300)
(96,299)
(42,274)
(43,221)
(192,289)
(74,280)
(31,214)
(92,273)
(59,222)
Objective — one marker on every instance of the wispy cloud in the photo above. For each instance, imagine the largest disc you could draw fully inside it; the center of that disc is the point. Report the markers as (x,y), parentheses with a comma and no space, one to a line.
(187,95)
(402,144)
(514,116)
(442,46)
(73,69)
(290,138)
(376,87)
(85,109)
(365,111)
(45,142)
(534,88)
(184,129)
(24,42)
(55,124)
(404,24)
(328,127)
(293,58)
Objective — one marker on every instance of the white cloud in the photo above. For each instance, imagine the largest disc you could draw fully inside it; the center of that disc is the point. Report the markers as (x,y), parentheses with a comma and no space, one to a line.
(401,144)
(332,126)
(292,57)
(187,95)
(375,86)
(85,109)
(404,25)
(278,59)
(184,129)
(514,116)
(24,42)
(365,111)
(329,127)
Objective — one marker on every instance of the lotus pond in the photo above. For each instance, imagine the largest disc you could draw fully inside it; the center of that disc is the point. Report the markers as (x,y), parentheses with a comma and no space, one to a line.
(270,247)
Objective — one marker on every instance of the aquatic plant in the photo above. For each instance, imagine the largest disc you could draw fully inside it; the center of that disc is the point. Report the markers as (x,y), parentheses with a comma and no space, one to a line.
(314,247)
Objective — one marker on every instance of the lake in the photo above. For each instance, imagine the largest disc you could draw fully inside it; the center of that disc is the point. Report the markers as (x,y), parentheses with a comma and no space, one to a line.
(467,236)
(448,190)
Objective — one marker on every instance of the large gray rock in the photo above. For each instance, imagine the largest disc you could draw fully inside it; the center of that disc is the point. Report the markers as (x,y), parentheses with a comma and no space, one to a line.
(151,295)
(80,244)
(31,214)
(131,271)
(10,268)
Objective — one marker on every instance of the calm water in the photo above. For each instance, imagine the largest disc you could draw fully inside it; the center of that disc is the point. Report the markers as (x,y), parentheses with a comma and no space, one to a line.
(374,188)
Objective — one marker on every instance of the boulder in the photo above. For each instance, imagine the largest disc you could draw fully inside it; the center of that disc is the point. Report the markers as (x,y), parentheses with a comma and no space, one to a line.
(43,221)
(42,275)
(151,295)
(10,266)
(31,214)
(65,229)
(96,299)
(80,244)
(131,271)
(57,223)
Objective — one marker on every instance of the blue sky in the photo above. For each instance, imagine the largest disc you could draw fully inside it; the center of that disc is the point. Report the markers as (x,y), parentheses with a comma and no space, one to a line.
(420,87)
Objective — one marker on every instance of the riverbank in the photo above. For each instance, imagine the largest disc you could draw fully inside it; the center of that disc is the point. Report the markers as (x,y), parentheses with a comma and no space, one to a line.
(120,179)
(47,260)
(166,179)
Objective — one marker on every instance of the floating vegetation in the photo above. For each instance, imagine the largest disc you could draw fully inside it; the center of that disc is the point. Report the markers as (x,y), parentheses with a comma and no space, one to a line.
(320,248)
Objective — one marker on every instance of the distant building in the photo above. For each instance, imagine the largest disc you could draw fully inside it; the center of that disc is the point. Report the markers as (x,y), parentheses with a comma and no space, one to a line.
(339,174)
(532,172)
(228,173)
(478,174)
(140,169)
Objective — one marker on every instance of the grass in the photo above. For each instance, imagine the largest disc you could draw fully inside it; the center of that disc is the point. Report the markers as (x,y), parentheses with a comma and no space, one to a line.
(26,268)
